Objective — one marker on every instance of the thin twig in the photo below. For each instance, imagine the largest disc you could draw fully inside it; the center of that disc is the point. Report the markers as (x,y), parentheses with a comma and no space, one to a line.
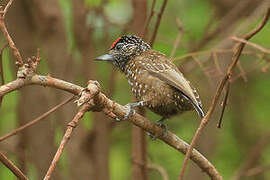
(214,54)
(38,119)
(206,119)
(206,73)
(16,52)
(149,19)
(16,171)
(178,38)
(6,8)
(242,72)
(199,53)
(224,104)
(248,70)
(158,22)
(262,49)
(2,71)
(71,125)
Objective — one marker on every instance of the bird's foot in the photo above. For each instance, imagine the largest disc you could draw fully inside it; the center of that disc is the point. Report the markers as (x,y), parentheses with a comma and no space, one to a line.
(131,110)
(161,124)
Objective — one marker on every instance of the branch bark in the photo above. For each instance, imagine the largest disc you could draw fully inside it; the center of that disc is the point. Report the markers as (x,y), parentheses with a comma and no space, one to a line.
(36,120)
(71,125)
(16,171)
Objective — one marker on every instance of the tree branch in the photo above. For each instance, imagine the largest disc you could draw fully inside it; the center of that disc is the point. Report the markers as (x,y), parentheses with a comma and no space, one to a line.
(36,120)
(71,125)
(16,52)
(153,38)
(16,171)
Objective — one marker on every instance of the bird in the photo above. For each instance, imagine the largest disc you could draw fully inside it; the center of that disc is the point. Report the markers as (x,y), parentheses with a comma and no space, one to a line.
(155,81)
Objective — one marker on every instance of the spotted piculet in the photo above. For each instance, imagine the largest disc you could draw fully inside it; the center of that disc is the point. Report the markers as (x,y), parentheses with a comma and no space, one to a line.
(155,81)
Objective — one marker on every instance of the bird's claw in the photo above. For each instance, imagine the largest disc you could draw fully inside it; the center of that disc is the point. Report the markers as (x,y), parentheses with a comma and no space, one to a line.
(164,130)
(153,138)
(131,111)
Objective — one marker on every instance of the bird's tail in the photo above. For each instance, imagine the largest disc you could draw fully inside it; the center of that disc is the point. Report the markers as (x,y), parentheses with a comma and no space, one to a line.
(198,109)
(196,106)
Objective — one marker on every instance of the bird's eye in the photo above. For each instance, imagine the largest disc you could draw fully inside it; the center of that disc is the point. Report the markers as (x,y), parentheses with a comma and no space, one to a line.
(118,46)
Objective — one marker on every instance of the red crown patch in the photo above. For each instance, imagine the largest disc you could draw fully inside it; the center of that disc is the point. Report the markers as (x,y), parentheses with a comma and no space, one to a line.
(112,46)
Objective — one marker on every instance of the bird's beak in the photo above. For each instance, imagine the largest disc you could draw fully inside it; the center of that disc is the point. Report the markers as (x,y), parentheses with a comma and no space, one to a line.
(105,57)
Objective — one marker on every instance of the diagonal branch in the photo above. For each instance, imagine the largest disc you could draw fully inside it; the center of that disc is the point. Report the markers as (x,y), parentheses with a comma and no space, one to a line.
(224,81)
(38,119)
(71,125)
(153,38)
(16,171)
(16,52)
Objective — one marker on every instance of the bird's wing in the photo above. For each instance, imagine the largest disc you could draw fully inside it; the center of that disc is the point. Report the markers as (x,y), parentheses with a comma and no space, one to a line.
(169,73)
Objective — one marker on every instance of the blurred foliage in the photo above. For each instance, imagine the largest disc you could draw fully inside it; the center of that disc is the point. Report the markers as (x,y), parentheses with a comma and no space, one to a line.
(194,14)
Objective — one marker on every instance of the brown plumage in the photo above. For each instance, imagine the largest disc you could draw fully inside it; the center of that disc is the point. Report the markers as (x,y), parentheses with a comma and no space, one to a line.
(155,81)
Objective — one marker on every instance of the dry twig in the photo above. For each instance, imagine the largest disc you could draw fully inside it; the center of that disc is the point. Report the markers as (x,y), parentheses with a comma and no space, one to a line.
(16,52)
(16,171)
(71,125)
(149,18)
(38,119)
(262,49)
(214,54)
(178,38)
(224,104)
(153,38)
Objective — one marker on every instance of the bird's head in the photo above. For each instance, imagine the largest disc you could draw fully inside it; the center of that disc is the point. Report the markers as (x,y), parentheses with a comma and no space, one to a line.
(123,49)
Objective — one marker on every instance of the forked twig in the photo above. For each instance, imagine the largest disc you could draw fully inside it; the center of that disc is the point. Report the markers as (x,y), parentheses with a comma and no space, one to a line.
(6,9)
